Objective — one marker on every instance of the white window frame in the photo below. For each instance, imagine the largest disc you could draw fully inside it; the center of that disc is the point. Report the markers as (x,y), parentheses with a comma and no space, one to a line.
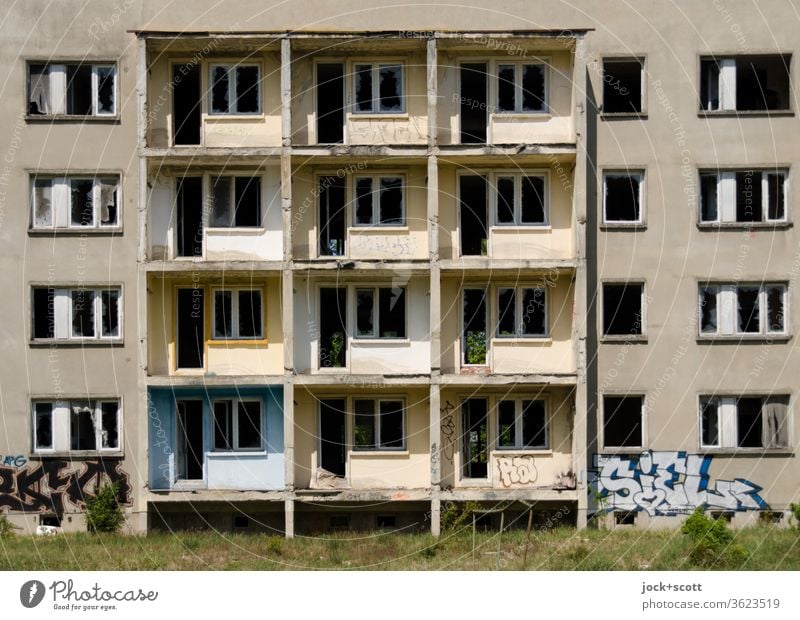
(725,84)
(518,424)
(58,87)
(376,313)
(208,190)
(645,299)
(632,173)
(96,68)
(231,67)
(727,195)
(728,421)
(602,416)
(234,291)
(63,313)
(375,197)
(494,198)
(642,60)
(61,426)
(375,69)
(518,312)
(518,90)
(233,412)
(376,416)
(61,202)
(727,309)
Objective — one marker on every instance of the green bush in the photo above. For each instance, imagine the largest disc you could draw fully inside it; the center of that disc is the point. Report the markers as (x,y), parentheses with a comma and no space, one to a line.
(476,347)
(456,515)
(713,544)
(6,529)
(103,512)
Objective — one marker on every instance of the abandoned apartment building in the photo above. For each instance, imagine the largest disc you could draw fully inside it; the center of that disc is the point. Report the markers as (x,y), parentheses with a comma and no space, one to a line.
(296,281)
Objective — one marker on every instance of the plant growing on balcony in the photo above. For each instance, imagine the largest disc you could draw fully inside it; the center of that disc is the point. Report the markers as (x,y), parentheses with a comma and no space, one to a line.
(337,349)
(476,347)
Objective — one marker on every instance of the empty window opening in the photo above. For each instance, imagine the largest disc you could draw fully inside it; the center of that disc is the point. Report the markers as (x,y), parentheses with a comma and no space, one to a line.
(749,83)
(726,515)
(475,337)
(332,216)
(333,333)
(622,197)
(473,210)
(237,425)
(190,453)
(186,108)
(622,309)
(520,200)
(378,424)
(381,313)
(77,426)
(74,202)
(78,89)
(622,85)
(746,309)
(339,523)
(744,421)
(77,313)
(240,522)
(521,88)
(622,421)
(386,522)
(474,103)
(379,88)
(235,89)
(190,216)
(191,328)
(521,312)
(50,520)
(330,103)
(625,518)
(475,437)
(743,196)
(238,314)
(333,442)
(235,202)
(522,424)
(379,201)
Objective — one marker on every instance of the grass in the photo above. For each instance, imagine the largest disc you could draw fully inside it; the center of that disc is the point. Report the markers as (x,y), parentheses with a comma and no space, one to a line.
(561,549)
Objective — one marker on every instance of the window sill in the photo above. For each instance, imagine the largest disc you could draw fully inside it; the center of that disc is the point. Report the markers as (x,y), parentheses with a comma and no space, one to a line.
(72,118)
(624,339)
(623,226)
(712,226)
(380,453)
(522,116)
(239,230)
(382,341)
(514,340)
(237,116)
(733,452)
(620,451)
(64,342)
(745,113)
(77,454)
(237,453)
(521,228)
(522,451)
(614,116)
(371,229)
(377,115)
(739,338)
(223,342)
(111,231)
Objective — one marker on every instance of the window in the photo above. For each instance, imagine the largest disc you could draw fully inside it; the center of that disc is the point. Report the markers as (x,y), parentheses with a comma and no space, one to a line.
(622,85)
(521,87)
(378,424)
(74,202)
(77,425)
(623,312)
(77,313)
(744,421)
(380,313)
(622,421)
(237,425)
(623,197)
(378,88)
(238,314)
(743,196)
(522,312)
(79,89)
(522,425)
(751,83)
(743,309)
(379,201)
(520,200)
(235,202)
(235,89)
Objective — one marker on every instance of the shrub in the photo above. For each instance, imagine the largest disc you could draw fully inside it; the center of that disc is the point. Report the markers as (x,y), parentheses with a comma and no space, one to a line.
(476,347)
(103,513)
(795,510)
(457,515)
(6,529)
(712,542)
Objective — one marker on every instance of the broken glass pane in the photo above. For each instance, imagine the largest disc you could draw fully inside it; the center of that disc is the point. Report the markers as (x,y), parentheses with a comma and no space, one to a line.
(109,431)
(506,411)
(219,89)
(708,310)
(505,88)
(364,424)
(44,426)
(775,321)
(533,88)
(105,90)
(391,84)
(108,202)
(110,302)
(82,432)
(709,421)
(365,309)
(83,314)
(364,201)
(363,88)
(39,90)
(392,313)
(43,202)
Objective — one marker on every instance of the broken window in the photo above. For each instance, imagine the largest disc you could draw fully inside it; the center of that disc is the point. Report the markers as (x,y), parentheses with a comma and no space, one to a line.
(381,313)
(77,425)
(237,425)
(623,421)
(746,309)
(522,312)
(238,314)
(43,426)
(378,88)
(379,201)
(744,421)
(622,197)
(190,328)
(521,87)
(74,202)
(522,424)
(235,89)
(743,196)
(332,216)
(80,89)
(378,424)
(333,331)
(622,85)
(475,438)
(475,337)
(189,215)
(235,202)
(78,313)
(520,200)
(623,309)
(748,83)
(472,196)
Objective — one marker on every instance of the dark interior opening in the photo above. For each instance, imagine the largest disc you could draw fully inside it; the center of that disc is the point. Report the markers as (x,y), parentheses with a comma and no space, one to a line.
(622,86)
(79,89)
(332,435)
(330,103)
(191,336)
(762,82)
(622,309)
(190,216)
(474,103)
(43,313)
(475,425)
(331,216)
(748,196)
(333,334)
(474,326)
(622,421)
(622,198)
(748,422)
(474,230)
(190,438)
(186,104)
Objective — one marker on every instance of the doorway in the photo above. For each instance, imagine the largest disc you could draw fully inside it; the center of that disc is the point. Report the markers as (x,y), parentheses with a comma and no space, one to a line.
(190,440)
(190,318)
(186,104)
(332,435)
(474,103)
(330,103)
(475,438)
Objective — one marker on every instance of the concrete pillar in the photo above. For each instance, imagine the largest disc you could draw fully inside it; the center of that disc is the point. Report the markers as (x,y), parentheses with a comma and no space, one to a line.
(432,90)
(289,518)
(436,516)
(288,434)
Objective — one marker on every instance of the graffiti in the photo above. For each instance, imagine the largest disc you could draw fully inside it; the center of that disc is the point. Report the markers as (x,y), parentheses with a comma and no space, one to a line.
(668,483)
(393,245)
(516,470)
(13,460)
(448,430)
(48,485)
(434,454)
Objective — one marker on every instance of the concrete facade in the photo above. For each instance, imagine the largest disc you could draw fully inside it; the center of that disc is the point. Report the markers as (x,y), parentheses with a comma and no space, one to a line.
(395,356)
